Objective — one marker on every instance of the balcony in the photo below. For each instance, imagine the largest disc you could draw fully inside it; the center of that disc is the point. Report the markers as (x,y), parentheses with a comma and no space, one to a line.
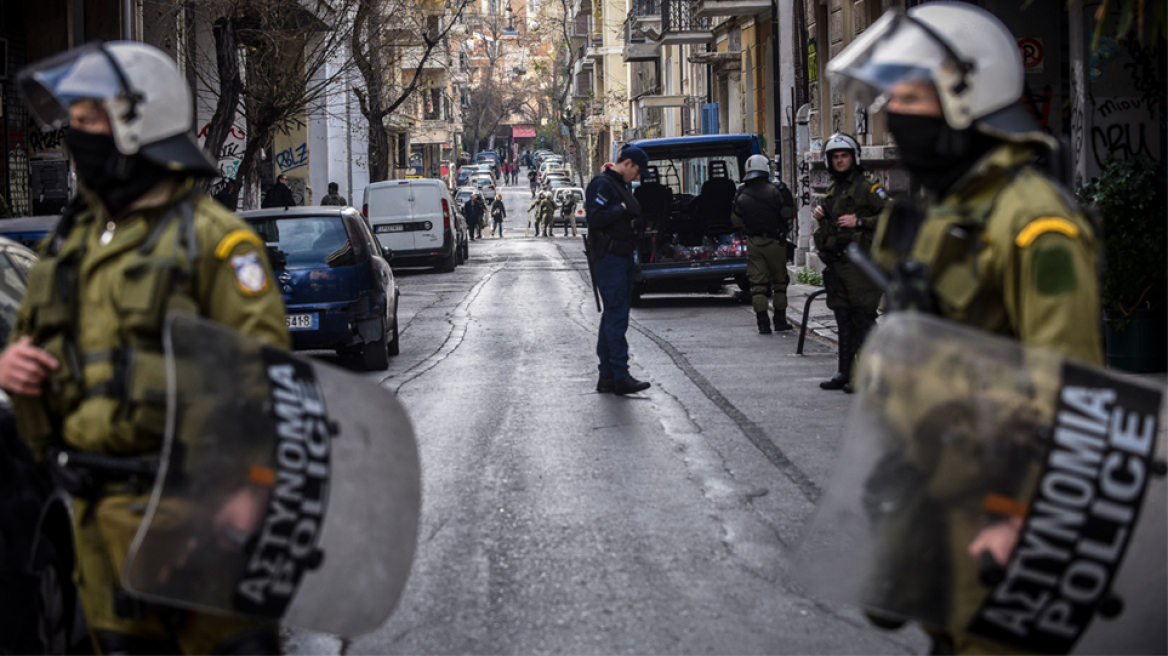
(642,30)
(728,8)
(680,24)
(578,31)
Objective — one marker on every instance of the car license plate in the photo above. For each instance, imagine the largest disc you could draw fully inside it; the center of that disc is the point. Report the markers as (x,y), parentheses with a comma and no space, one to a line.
(302,321)
(390,227)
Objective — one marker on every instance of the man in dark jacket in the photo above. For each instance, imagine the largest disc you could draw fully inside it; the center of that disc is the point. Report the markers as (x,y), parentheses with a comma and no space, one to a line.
(473,213)
(611,212)
(498,213)
(228,196)
(279,195)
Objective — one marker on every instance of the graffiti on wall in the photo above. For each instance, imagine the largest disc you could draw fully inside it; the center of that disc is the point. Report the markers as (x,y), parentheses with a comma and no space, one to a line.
(292,157)
(1122,129)
(40,140)
(232,152)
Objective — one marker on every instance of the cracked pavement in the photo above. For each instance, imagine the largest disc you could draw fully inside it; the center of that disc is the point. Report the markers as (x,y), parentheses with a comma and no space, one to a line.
(559,520)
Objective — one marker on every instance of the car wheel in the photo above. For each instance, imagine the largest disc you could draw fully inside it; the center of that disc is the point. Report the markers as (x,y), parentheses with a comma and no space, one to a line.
(375,355)
(54,615)
(448,263)
(465,251)
(394,341)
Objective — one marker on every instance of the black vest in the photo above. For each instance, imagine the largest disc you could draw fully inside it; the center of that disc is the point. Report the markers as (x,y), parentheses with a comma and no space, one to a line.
(760,204)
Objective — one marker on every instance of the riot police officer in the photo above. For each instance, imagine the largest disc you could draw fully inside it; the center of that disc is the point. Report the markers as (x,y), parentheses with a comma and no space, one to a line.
(848,214)
(85,368)
(764,212)
(545,211)
(996,245)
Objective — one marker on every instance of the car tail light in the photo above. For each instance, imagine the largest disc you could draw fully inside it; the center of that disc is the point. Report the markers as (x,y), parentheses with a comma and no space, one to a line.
(365,210)
(445,214)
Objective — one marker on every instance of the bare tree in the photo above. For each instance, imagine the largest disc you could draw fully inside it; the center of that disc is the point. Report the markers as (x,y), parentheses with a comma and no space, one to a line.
(267,66)
(385,34)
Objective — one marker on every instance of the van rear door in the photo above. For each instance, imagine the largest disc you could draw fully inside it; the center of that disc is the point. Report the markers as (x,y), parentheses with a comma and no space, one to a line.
(391,215)
(427,211)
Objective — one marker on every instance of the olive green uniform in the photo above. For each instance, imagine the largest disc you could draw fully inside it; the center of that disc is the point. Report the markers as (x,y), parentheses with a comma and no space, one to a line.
(545,212)
(847,287)
(108,395)
(1006,251)
(334,199)
(759,211)
(851,295)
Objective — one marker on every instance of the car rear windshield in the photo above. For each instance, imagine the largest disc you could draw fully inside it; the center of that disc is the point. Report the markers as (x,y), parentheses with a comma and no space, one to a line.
(305,242)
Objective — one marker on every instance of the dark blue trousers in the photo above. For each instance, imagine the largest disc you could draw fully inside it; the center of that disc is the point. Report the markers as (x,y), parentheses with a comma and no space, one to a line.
(614,279)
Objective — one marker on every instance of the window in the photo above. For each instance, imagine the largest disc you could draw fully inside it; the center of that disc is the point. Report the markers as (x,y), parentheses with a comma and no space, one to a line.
(305,243)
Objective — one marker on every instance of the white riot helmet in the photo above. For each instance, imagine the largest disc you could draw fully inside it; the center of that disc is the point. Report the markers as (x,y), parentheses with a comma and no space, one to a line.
(841,141)
(139,87)
(757,166)
(964,51)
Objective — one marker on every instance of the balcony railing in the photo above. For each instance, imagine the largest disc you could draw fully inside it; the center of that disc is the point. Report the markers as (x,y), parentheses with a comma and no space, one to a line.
(645,8)
(678,18)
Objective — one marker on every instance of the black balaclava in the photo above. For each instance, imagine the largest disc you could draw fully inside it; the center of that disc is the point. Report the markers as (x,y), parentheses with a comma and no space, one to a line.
(936,154)
(116,179)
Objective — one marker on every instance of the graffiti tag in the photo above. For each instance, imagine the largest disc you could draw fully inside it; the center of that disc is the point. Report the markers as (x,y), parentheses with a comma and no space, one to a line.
(292,158)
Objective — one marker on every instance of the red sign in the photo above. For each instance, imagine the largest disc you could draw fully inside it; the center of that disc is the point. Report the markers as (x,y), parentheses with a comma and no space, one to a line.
(1032,54)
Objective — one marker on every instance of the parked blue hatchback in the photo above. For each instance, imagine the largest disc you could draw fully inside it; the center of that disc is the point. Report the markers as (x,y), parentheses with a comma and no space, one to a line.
(338,288)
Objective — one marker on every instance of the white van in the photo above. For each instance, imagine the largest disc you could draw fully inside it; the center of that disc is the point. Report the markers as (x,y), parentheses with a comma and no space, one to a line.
(417,220)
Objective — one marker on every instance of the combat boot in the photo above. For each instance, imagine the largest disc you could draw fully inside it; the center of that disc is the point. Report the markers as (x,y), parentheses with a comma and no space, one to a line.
(781,323)
(629,385)
(764,323)
(845,329)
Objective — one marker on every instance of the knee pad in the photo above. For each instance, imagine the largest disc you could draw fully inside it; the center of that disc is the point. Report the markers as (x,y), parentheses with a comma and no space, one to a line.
(252,641)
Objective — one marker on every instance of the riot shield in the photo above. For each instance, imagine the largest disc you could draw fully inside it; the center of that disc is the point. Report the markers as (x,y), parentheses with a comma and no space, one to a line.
(289,490)
(960,445)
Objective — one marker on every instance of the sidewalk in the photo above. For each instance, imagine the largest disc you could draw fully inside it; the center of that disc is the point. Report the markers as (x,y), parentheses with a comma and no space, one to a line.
(820,320)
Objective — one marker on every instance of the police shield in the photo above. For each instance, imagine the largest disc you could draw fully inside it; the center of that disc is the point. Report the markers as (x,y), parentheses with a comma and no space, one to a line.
(289,490)
(962,445)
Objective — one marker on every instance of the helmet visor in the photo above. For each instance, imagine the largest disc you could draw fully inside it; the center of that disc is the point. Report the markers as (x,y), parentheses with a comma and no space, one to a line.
(53,84)
(892,50)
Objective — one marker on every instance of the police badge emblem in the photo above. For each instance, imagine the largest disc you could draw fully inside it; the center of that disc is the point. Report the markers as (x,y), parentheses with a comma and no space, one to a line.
(250,276)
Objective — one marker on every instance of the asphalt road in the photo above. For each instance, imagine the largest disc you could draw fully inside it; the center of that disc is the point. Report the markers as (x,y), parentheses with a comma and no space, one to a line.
(559,520)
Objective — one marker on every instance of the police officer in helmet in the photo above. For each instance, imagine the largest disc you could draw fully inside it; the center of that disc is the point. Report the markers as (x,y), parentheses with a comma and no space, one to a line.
(847,214)
(996,245)
(85,367)
(764,210)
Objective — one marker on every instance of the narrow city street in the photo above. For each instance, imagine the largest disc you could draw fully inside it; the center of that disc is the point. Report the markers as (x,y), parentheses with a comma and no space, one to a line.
(559,520)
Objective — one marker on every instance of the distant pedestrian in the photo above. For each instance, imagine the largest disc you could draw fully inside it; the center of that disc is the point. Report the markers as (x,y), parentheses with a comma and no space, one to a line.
(334,197)
(228,196)
(279,194)
(473,212)
(498,213)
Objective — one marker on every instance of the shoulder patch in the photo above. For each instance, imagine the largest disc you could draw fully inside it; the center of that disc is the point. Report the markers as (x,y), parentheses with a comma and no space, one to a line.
(1041,226)
(1054,271)
(250,276)
(235,238)
(879,191)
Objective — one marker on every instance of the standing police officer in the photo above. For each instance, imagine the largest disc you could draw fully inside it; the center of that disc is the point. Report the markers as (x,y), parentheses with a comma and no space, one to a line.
(612,241)
(997,245)
(764,212)
(85,367)
(848,214)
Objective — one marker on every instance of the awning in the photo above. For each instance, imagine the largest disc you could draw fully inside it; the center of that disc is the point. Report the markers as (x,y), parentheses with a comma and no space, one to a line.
(521,131)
